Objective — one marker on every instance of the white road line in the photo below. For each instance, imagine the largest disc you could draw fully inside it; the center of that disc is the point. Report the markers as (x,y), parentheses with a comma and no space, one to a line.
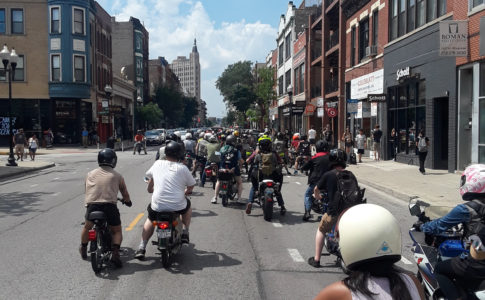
(297,183)
(56,194)
(406,261)
(288,176)
(74,173)
(57,178)
(34,185)
(295,255)
(277,224)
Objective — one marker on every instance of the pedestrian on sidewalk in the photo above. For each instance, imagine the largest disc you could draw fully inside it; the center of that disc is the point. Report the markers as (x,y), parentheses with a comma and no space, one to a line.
(19,141)
(360,141)
(85,134)
(328,135)
(376,136)
(348,141)
(393,139)
(33,145)
(423,144)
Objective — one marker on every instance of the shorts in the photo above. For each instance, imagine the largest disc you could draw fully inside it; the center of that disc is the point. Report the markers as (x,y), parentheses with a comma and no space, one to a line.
(19,148)
(348,144)
(327,223)
(312,141)
(152,215)
(377,146)
(110,210)
(360,151)
(32,149)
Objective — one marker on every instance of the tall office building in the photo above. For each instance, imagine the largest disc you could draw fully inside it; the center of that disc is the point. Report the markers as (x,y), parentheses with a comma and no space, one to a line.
(188,72)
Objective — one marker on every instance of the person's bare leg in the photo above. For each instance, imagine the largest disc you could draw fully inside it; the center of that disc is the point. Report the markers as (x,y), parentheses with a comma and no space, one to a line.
(186,218)
(147,230)
(319,239)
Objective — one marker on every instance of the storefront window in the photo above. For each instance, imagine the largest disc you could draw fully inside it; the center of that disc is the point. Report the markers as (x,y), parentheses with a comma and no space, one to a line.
(403,96)
(421,93)
(482,83)
(481,133)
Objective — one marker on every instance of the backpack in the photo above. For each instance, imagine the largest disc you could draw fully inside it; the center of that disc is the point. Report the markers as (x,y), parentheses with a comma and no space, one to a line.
(267,163)
(348,191)
(476,226)
(212,152)
(227,154)
(304,148)
(422,146)
(202,150)
(279,147)
(353,158)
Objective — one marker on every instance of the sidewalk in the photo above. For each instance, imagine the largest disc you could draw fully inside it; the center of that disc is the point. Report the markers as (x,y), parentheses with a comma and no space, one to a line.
(437,187)
(23,167)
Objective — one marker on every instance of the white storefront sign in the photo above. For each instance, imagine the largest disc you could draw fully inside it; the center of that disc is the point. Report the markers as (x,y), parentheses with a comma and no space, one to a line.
(400,73)
(373,109)
(454,38)
(320,112)
(363,110)
(352,106)
(372,83)
(320,102)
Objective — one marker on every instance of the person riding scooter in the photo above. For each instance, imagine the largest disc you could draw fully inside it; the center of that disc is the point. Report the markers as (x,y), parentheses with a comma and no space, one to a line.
(140,138)
(459,273)
(230,160)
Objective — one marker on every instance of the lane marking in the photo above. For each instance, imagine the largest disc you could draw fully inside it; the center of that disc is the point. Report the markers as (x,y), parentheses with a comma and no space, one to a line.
(133,223)
(277,224)
(295,255)
(57,178)
(288,176)
(406,261)
(56,194)
(34,185)
(74,173)
(297,183)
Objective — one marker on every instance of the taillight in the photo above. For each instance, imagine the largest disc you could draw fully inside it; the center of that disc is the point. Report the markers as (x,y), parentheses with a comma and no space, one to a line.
(420,260)
(92,235)
(224,186)
(269,184)
(163,225)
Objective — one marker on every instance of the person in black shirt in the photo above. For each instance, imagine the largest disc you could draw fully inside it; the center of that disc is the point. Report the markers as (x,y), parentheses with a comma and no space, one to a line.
(328,182)
(377,134)
(318,165)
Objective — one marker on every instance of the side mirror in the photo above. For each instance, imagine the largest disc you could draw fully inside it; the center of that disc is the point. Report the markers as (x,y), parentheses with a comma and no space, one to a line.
(146,179)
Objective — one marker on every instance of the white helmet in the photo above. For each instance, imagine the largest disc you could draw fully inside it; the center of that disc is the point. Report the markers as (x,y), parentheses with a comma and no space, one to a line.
(367,233)
(188,136)
(472,183)
(207,136)
(177,133)
(213,139)
(201,135)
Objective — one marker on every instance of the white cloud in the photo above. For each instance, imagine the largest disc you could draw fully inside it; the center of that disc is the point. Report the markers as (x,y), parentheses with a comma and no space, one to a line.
(172,28)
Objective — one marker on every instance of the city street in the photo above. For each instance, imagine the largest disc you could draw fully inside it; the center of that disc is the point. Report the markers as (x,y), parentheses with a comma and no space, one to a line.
(231,255)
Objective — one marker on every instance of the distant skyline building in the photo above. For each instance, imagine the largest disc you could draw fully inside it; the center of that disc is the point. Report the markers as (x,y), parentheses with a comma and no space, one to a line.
(188,72)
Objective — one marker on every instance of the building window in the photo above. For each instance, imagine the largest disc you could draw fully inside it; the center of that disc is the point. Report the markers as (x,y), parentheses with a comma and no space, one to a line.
(302,78)
(394,20)
(79,68)
(352,47)
(56,67)
(441,7)
(55,20)
(430,10)
(280,55)
(375,27)
(287,79)
(474,3)
(78,21)
(19,74)
(363,37)
(402,18)
(288,46)
(17,21)
(420,13)
(2,21)
(411,14)
(280,85)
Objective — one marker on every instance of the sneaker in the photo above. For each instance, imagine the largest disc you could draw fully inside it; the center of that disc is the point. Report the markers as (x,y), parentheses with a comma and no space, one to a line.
(83,250)
(214,200)
(140,254)
(115,258)
(296,172)
(282,210)
(314,263)
(248,208)
(185,237)
(306,216)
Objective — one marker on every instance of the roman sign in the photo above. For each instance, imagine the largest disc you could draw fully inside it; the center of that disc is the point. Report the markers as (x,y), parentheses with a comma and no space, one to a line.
(454,38)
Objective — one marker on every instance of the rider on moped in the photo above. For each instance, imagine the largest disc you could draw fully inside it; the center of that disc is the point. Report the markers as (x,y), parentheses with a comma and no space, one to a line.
(169,182)
(468,270)
(139,138)
(230,160)
(102,187)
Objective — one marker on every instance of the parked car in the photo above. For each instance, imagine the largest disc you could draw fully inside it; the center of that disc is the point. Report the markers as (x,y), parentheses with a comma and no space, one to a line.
(162,133)
(153,138)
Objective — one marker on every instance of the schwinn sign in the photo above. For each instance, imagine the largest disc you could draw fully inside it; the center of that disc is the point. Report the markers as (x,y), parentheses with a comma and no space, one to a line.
(454,38)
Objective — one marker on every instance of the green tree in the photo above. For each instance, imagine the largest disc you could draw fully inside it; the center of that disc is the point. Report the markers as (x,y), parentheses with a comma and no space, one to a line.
(150,114)
(191,109)
(265,93)
(171,102)
(236,85)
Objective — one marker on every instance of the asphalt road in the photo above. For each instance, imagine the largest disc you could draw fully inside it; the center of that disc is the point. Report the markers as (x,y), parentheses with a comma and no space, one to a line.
(231,255)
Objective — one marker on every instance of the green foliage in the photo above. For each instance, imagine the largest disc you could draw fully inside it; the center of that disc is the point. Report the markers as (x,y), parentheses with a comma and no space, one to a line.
(151,114)
(178,109)
(265,92)
(236,85)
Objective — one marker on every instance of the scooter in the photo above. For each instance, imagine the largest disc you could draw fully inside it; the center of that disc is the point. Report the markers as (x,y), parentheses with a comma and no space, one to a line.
(211,172)
(168,226)
(266,197)
(228,186)
(138,147)
(429,250)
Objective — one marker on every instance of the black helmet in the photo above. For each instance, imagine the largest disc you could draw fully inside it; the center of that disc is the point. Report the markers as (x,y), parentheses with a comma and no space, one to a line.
(107,157)
(280,136)
(265,145)
(321,146)
(171,137)
(338,157)
(231,140)
(173,150)
(303,137)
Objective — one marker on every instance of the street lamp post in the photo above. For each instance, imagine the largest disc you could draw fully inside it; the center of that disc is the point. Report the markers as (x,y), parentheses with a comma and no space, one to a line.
(289,90)
(138,100)
(108,90)
(9,60)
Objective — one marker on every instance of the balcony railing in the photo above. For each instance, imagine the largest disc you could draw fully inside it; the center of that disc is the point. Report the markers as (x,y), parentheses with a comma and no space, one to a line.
(331,85)
(316,49)
(332,40)
(315,91)
(328,3)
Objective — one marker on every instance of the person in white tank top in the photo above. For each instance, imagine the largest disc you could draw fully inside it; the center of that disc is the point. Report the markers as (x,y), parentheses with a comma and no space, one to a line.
(370,245)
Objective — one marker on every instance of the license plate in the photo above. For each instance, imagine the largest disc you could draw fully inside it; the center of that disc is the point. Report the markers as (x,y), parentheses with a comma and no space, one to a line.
(162,234)
(269,191)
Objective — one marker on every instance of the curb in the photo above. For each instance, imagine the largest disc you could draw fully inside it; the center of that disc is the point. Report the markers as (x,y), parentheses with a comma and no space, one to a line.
(27,170)
(394,193)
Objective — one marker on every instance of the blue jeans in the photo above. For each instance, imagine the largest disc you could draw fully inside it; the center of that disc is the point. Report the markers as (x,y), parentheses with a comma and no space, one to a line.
(308,197)
(251,195)
(203,177)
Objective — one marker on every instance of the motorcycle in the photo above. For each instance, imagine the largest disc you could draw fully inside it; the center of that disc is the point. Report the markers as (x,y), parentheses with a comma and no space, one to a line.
(189,160)
(211,172)
(138,147)
(429,250)
(100,239)
(266,197)
(168,226)
(228,186)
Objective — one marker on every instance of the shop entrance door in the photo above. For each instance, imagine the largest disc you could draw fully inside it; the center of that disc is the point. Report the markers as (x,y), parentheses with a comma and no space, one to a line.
(440,134)
(465,118)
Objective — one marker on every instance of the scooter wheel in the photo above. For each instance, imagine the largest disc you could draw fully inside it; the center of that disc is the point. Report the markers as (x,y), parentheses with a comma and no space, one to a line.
(165,258)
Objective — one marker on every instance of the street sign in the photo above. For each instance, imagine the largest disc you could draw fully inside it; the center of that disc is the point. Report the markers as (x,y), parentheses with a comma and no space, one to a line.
(320,112)
(332,112)
(376,97)
(352,106)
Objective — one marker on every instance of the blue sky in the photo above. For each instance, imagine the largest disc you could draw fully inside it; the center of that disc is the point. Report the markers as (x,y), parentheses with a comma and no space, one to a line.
(227,31)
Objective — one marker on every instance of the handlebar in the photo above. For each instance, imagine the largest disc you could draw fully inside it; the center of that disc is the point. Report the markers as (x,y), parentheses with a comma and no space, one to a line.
(129,204)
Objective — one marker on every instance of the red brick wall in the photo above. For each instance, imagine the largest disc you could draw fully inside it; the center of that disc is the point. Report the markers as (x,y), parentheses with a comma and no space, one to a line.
(461,13)
(382,40)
